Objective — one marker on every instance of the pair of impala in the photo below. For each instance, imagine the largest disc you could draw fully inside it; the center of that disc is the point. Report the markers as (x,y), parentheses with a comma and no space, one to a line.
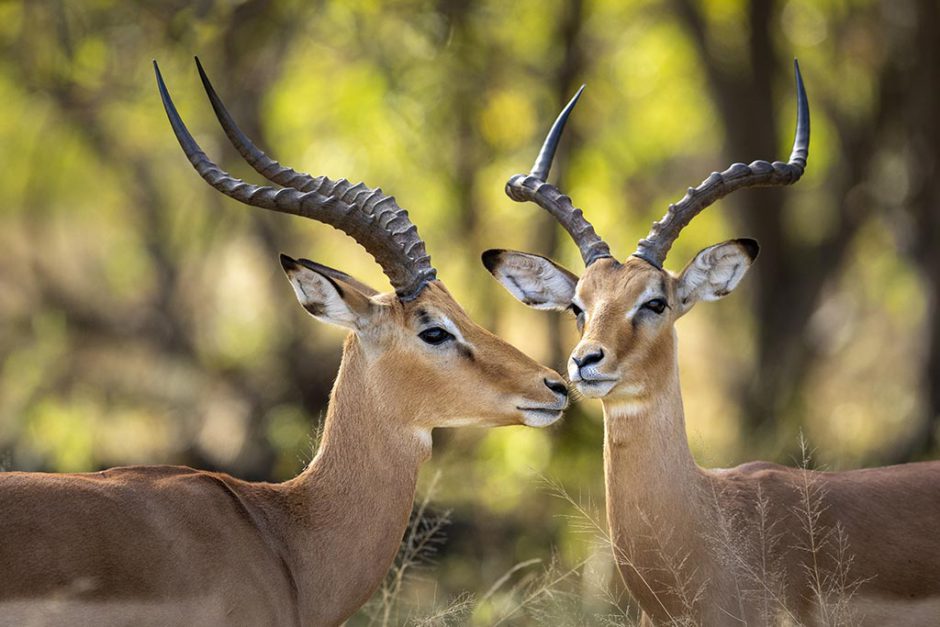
(173,545)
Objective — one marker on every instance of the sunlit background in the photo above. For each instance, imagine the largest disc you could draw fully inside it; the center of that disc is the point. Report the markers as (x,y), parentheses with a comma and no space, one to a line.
(145,318)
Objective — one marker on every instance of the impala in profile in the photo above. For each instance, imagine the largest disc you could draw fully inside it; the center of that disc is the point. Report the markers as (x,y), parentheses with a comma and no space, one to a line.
(157,545)
(753,545)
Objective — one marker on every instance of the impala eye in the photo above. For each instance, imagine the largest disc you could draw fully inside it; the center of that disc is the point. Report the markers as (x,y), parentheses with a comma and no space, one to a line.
(435,336)
(579,316)
(657,305)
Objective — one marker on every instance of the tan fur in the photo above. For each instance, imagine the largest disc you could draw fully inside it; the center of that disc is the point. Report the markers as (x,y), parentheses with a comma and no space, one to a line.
(687,539)
(173,545)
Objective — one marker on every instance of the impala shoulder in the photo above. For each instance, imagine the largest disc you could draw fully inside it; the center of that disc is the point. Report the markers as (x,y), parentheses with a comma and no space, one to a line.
(167,480)
(750,468)
(769,477)
(141,473)
(756,470)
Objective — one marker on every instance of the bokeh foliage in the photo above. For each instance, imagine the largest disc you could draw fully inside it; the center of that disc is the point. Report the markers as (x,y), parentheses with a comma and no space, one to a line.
(145,319)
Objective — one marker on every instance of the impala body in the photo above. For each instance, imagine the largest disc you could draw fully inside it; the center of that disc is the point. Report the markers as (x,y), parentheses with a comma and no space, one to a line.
(758,544)
(163,545)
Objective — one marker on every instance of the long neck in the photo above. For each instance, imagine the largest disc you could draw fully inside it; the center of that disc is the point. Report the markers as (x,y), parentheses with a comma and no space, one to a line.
(351,505)
(655,490)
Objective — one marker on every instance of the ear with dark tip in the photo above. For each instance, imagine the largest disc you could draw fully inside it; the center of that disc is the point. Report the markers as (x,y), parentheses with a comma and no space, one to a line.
(534,280)
(328,294)
(750,246)
(715,271)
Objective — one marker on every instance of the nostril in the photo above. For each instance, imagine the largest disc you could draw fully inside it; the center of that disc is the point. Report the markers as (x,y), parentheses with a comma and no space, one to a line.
(590,358)
(558,387)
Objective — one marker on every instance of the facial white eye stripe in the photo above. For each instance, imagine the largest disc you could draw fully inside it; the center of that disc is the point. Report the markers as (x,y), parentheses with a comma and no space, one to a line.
(440,320)
(448,324)
(649,294)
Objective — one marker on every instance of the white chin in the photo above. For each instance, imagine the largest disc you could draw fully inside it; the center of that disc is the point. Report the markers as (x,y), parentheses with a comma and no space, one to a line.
(595,389)
(540,417)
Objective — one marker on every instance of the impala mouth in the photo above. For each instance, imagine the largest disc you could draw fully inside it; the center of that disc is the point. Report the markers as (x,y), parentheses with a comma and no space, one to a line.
(541,416)
(596,387)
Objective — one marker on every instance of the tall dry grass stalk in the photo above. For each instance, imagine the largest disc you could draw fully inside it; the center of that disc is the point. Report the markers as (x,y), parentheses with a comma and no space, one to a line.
(754,547)
(833,587)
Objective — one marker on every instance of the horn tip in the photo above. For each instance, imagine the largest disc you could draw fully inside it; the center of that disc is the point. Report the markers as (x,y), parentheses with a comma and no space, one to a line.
(574,100)
(161,86)
(543,163)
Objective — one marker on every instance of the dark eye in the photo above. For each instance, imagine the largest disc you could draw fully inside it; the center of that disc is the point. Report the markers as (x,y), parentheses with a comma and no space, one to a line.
(657,305)
(579,315)
(435,336)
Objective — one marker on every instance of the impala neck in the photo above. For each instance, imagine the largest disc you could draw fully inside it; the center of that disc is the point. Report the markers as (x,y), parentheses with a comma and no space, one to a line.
(356,496)
(654,490)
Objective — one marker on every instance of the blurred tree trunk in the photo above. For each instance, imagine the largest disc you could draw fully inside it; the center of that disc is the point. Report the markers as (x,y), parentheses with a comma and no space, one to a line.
(471,59)
(465,105)
(791,273)
(918,120)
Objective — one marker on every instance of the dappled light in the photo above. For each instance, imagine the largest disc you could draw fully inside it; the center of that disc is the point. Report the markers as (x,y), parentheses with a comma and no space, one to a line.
(146,319)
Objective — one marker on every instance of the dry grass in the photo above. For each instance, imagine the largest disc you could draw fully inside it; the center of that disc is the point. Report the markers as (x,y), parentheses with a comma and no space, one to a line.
(587,518)
(832,588)
(547,592)
(752,549)
(540,596)
(418,549)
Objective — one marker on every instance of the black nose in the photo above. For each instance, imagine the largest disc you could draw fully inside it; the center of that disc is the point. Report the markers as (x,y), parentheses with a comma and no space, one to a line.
(590,358)
(558,387)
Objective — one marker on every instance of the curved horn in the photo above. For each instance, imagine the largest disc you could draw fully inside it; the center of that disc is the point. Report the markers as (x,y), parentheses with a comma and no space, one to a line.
(367,215)
(532,187)
(655,246)
(256,158)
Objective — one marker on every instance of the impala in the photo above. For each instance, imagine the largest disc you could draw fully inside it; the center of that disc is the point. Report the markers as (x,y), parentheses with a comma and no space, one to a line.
(755,544)
(163,544)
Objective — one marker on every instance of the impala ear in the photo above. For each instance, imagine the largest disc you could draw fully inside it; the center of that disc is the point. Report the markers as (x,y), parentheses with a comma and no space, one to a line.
(328,294)
(715,271)
(536,281)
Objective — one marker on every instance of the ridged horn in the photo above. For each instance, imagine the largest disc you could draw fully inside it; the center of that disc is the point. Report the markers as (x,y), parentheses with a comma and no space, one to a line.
(655,246)
(367,215)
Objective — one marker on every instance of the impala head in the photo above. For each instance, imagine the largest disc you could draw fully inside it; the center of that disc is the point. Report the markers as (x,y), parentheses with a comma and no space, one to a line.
(418,347)
(626,310)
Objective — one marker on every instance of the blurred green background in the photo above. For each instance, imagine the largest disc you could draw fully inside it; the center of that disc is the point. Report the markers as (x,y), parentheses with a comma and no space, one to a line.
(145,318)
